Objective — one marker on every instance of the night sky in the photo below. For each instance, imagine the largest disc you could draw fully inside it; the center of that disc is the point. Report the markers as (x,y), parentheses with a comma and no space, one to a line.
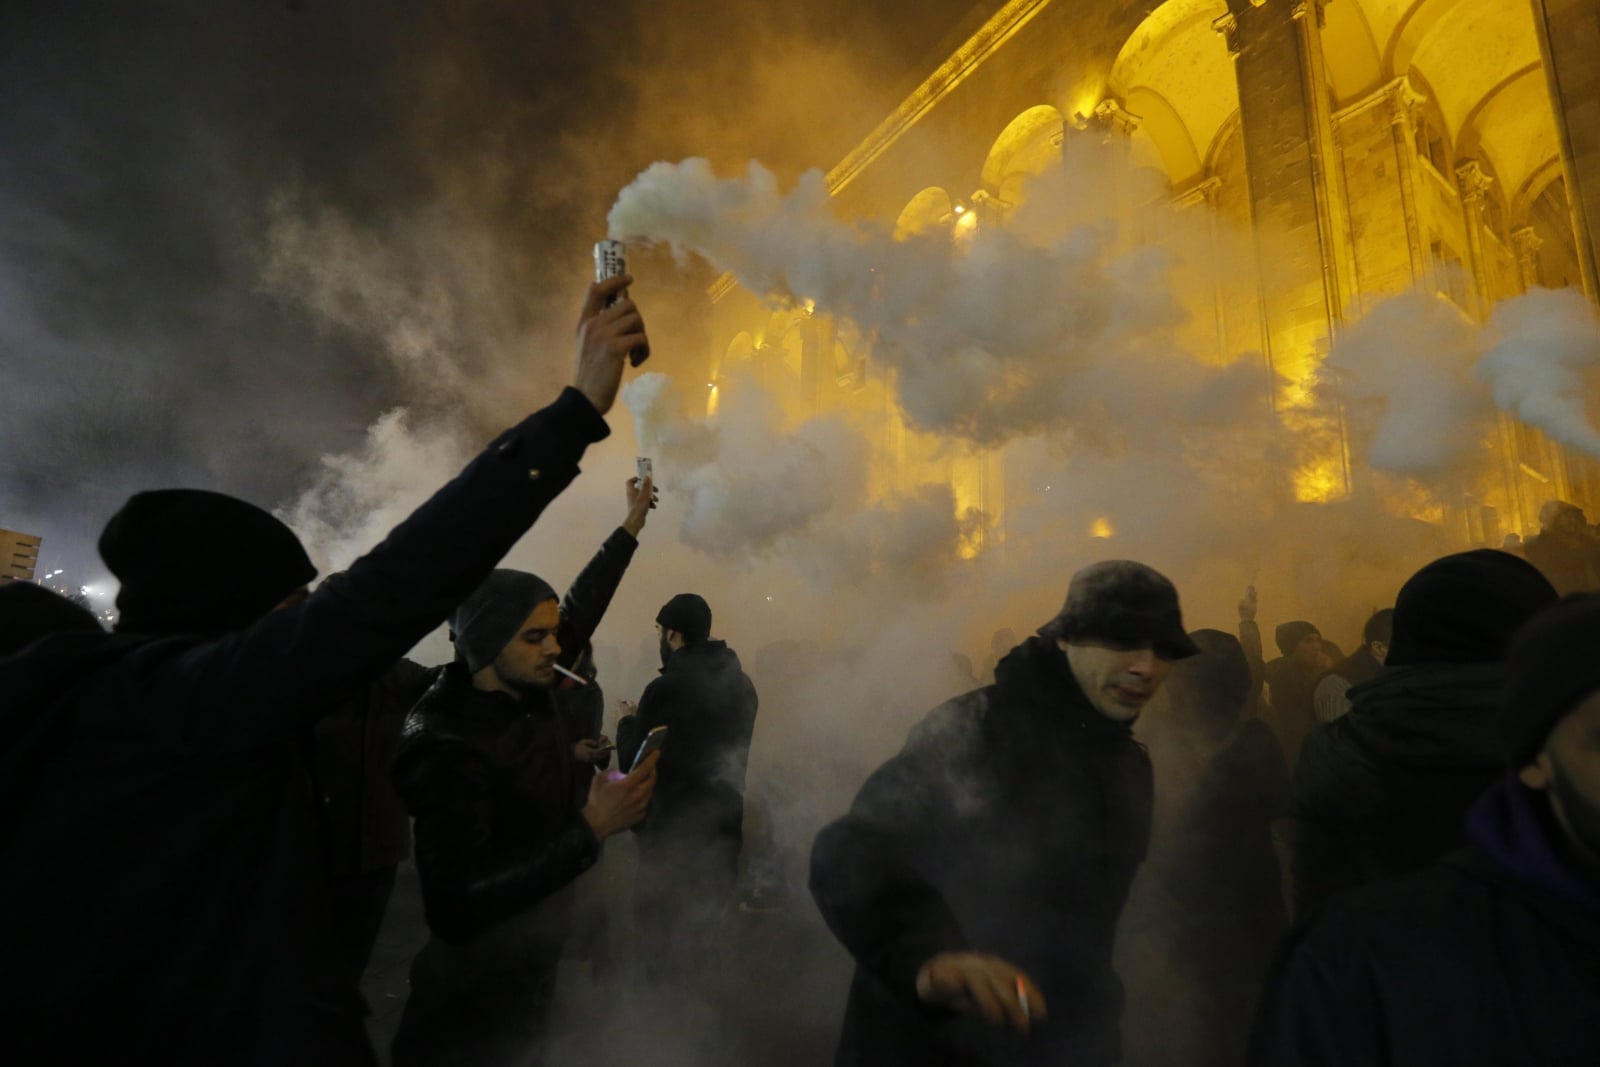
(212,215)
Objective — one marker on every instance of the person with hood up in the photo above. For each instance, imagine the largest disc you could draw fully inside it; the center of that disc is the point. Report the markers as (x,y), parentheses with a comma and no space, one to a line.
(163,874)
(486,770)
(1219,792)
(1382,791)
(979,875)
(1492,956)
(690,842)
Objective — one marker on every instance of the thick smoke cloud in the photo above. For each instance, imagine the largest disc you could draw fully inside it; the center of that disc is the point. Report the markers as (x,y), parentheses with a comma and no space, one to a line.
(1424,382)
(1045,325)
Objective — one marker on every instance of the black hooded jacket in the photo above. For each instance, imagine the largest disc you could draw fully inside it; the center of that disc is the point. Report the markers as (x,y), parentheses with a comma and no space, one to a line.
(1011,823)
(1383,791)
(1489,958)
(163,885)
(708,705)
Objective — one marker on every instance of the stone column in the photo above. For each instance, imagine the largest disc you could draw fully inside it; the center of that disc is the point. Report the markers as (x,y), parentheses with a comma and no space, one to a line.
(1569,37)
(1527,245)
(1474,183)
(1297,206)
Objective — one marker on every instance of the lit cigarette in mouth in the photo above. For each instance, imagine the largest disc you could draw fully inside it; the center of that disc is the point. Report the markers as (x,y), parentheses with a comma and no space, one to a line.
(580,679)
(1022,1000)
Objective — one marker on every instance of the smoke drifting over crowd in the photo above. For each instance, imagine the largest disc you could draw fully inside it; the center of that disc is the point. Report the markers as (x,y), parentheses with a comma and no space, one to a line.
(316,256)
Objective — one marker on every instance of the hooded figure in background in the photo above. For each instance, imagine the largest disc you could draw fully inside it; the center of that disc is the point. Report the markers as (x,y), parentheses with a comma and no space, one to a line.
(1209,906)
(689,844)
(1291,680)
(979,875)
(1384,790)
(1491,957)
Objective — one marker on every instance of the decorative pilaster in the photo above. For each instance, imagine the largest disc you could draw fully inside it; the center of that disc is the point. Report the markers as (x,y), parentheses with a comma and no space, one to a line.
(1526,243)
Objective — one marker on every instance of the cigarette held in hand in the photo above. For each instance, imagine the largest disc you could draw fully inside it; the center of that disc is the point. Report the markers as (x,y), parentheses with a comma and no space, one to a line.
(1022,1000)
(580,679)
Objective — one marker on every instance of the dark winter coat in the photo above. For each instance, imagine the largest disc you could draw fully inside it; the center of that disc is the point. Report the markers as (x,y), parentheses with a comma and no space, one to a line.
(708,705)
(1222,871)
(1491,958)
(1011,823)
(1290,685)
(163,883)
(355,746)
(1383,791)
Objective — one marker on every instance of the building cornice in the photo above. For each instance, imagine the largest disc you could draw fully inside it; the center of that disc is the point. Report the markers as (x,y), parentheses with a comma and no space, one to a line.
(1001,27)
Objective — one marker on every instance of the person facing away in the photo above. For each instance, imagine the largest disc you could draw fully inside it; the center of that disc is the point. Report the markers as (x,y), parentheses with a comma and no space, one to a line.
(1383,790)
(689,844)
(163,881)
(486,770)
(1491,956)
(1330,699)
(979,875)
(1218,868)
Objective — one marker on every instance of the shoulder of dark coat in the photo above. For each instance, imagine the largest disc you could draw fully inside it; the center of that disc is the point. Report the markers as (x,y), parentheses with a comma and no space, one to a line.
(1407,926)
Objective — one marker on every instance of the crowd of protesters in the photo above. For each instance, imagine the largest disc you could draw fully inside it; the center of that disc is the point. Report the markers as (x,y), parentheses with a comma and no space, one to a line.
(1391,856)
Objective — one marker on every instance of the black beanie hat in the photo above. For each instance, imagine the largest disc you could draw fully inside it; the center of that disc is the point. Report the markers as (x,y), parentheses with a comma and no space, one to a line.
(192,561)
(1126,603)
(29,612)
(1288,635)
(688,614)
(488,619)
(1551,669)
(1465,608)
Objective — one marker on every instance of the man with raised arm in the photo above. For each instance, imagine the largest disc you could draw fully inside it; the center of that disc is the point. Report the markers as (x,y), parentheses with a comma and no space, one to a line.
(163,891)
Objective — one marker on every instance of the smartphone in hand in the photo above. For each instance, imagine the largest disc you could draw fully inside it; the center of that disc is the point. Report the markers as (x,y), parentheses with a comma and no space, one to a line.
(652,743)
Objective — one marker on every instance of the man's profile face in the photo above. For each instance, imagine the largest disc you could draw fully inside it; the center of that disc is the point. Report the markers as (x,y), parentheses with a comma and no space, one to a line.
(529,658)
(1569,771)
(1118,680)
(1309,650)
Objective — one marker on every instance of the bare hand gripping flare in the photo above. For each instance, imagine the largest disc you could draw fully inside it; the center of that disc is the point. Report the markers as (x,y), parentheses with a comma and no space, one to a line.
(610,260)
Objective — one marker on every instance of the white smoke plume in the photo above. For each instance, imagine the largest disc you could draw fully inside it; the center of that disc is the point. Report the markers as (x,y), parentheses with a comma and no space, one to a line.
(1543,349)
(1011,331)
(1423,382)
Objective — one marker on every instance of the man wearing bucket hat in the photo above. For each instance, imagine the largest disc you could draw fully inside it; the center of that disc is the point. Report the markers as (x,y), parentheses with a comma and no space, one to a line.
(1493,956)
(978,877)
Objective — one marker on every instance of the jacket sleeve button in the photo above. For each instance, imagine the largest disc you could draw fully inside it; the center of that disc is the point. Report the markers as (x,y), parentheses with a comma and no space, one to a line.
(534,474)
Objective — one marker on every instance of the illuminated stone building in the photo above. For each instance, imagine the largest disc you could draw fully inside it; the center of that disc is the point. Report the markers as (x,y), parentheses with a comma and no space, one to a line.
(1451,146)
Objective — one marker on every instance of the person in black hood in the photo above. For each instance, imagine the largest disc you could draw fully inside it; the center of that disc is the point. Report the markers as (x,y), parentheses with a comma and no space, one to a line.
(1211,897)
(1383,790)
(1492,956)
(163,877)
(979,875)
(689,844)
(486,770)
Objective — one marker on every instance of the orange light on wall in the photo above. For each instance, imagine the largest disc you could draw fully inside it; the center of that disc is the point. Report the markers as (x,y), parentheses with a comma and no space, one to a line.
(1102,529)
